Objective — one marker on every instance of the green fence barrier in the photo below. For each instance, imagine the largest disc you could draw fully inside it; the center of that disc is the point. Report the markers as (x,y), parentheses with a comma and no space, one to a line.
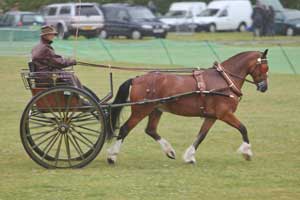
(18,34)
(282,59)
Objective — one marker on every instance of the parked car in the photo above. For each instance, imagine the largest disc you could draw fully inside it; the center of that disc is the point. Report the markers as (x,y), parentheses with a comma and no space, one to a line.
(22,19)
(287,21)
(225,15)
(182,13)
(68,17)
(289,27)
(131,21)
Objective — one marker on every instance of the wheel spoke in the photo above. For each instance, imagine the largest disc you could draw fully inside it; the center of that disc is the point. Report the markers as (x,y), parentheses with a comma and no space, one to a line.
(88,129)
(51,110)
(87,124)
(66,113)
(41,120)
(68,149)
(42,142)
(81,134)
(58,150)
(59,104)
(41,126)
(43,132)
(39,123)
(42,116)
(88,145)
(81,115)
(50,145)
(91,118)
(76,146)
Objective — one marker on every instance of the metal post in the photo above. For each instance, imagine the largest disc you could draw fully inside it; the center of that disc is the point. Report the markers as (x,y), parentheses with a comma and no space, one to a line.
(213,50)
(107,50)
(288,59)
(167,52)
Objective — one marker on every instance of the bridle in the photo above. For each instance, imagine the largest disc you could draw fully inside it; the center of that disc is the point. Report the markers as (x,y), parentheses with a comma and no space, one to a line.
(227,74)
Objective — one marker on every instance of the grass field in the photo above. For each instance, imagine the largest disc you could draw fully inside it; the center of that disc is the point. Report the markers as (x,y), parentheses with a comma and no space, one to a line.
(143,171)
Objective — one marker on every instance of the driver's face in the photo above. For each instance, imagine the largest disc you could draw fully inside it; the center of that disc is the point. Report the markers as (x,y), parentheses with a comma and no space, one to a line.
(50,37)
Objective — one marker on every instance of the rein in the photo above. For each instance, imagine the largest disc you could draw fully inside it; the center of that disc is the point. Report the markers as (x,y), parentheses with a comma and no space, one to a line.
(140,69)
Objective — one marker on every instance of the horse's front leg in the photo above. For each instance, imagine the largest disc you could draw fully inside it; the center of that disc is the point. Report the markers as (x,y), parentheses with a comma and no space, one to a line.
(189,155)
(245,148)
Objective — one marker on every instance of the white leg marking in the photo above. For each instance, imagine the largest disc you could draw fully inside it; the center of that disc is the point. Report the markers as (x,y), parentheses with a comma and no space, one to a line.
(167,148)
(113,151)
(245,150)
(189,155)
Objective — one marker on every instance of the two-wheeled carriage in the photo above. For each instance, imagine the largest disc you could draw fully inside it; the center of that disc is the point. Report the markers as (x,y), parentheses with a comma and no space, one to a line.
(65,126)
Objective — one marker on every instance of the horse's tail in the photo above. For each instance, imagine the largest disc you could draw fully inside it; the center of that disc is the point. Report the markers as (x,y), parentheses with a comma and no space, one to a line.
(115,112)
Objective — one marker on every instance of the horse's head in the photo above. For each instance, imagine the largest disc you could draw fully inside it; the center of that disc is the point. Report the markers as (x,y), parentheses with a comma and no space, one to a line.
(259,72)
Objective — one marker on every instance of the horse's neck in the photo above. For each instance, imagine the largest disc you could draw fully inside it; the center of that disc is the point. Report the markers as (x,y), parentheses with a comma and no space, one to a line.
(239,67)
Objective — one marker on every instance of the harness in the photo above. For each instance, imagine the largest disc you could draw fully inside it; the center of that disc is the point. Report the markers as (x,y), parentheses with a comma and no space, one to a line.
(226,75)
(201,86)
(230,82)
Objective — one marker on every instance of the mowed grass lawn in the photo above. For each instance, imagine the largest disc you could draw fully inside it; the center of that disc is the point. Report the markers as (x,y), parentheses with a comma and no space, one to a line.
(143,171)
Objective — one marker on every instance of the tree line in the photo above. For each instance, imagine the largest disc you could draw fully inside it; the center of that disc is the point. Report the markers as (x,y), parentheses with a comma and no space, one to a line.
(162,5)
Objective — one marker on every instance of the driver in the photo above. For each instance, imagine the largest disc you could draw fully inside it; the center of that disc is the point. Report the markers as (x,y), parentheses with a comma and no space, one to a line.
(45,59)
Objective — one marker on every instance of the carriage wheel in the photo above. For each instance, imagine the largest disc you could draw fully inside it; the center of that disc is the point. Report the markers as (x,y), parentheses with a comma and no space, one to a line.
(63,127)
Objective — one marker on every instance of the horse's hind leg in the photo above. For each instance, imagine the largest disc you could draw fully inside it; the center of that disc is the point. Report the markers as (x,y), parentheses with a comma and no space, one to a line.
(189,155)
(137,114)
(151,130)
(245,148)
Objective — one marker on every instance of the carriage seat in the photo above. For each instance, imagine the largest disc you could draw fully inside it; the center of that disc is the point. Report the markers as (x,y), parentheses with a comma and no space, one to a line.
(31,66)
(49,79)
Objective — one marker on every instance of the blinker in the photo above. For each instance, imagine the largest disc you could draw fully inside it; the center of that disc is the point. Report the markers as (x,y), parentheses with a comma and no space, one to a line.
(264,69)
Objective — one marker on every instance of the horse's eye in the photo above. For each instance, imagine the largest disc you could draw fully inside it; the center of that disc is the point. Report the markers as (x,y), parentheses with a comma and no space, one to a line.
(264,69)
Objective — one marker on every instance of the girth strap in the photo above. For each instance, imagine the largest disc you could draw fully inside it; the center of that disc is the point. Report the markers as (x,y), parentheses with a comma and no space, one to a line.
(198,75)
(201,86)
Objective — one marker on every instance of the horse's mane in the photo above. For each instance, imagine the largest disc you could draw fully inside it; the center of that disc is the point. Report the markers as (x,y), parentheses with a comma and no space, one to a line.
(237,56)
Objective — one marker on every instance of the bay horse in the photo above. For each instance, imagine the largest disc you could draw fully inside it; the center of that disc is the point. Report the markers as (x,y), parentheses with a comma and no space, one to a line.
(227,77)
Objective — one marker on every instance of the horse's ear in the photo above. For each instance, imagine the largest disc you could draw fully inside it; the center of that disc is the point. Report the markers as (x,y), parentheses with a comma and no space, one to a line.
(265,53)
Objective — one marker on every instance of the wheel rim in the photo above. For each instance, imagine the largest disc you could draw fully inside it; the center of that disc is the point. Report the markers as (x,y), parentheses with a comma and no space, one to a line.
(289,32)
(103,34)
(212,28)
(242,28)
(136,35)
(256,32)
(66,136)
(61,32)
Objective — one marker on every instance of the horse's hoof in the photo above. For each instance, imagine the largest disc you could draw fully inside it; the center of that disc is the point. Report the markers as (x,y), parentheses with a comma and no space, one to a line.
(171,154)
(245,150)
(191,162)
(111,161)
(247,157)
(189,155)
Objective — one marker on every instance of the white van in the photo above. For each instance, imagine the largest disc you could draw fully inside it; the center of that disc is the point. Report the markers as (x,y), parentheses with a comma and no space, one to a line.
(224,15)
(182,13)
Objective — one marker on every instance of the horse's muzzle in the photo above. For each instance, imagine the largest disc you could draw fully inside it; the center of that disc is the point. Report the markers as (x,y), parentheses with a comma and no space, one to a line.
(262,86)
